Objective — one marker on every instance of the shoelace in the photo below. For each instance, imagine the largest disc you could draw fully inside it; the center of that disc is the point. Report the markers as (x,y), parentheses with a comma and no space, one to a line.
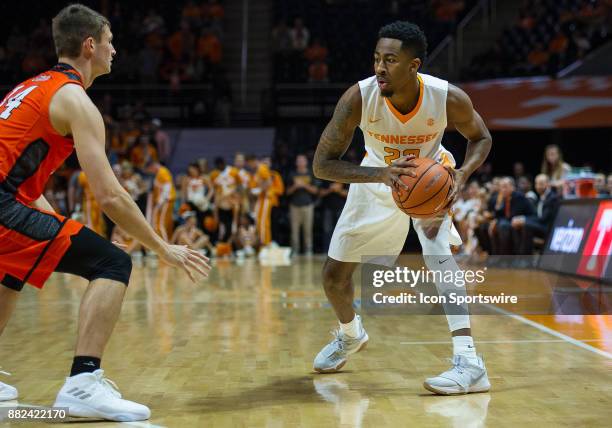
(4,373)
(337,334)
(108,384)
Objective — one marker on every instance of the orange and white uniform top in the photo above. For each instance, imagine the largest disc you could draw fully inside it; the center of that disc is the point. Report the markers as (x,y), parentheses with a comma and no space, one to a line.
(227,181)
(163,186)
(371,225)
(388,134)
(196,192)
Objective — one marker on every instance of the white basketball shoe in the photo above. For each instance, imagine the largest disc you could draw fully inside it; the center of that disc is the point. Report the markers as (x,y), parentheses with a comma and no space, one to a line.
(334,355)
(7,392)
(91,395)
(463,378)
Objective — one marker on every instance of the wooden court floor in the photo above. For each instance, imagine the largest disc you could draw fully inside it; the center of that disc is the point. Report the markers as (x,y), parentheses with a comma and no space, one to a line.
(236,350)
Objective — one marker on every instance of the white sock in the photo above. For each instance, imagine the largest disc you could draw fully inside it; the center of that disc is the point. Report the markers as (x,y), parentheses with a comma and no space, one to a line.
(351,329)
(464,345)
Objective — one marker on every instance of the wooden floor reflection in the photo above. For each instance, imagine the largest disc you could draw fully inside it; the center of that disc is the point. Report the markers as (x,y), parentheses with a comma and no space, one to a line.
(236,351)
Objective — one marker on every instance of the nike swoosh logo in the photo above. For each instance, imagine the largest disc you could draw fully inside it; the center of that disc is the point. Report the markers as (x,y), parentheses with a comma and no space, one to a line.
(374,121)
(442,261)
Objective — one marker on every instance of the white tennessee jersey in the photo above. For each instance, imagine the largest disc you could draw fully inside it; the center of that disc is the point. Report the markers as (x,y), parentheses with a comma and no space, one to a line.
(389,134)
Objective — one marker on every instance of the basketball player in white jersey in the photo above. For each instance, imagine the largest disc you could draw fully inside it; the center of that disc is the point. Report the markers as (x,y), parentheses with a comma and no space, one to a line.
(402,114)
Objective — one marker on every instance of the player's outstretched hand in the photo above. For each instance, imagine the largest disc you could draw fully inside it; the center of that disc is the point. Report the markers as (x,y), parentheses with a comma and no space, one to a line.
(402,166)
(187,259)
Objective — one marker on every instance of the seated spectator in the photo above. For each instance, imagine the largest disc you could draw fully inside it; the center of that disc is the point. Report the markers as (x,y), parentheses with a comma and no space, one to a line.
(525,227)
(181,42)
(213,10)
(191,13)
(281,38)
(508,204)
(538,59)
(600,186)
(190,235)
(208,47)
(143,153)
(524,186)
(246,241)
(609,184)
(129,135)
(316,52)
(465,209)
(318,72)
(300,36)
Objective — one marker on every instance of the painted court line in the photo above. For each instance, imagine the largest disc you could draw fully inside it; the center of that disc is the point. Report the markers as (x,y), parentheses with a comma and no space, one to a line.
(447,342)
(552,332)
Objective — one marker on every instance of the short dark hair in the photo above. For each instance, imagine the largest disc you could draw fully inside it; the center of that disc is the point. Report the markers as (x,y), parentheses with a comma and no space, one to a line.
(411,36)
(72,25)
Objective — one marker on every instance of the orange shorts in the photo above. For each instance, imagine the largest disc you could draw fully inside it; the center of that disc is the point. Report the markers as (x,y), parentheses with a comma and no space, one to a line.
(32,242)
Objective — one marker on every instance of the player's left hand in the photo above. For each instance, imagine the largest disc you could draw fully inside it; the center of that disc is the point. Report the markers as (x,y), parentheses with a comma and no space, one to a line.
(459,179)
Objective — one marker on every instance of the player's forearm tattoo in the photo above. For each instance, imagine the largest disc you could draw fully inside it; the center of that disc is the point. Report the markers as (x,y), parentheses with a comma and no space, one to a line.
(333,143)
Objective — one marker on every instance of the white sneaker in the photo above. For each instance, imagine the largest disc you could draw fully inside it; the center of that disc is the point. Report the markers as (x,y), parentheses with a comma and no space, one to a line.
(334,355)
(463,378)
(91,395)
(7,392)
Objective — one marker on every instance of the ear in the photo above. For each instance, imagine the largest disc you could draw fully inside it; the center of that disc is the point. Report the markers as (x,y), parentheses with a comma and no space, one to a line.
(415,65)
(88,47)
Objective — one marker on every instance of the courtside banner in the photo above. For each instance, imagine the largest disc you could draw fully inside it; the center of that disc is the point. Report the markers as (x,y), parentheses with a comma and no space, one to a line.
(580,240)
(432,285)
(543,103)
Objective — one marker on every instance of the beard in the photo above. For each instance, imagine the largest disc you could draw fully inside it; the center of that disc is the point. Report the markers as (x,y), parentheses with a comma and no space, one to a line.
(387,93)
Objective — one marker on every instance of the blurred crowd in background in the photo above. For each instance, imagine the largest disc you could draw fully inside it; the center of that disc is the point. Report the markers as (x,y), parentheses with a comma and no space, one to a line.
(310,46)
(173,43)
(233,207)
(547,36)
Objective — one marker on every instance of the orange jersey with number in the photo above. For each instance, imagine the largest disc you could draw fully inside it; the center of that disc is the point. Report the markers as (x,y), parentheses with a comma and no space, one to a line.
(30,149)
(32,241)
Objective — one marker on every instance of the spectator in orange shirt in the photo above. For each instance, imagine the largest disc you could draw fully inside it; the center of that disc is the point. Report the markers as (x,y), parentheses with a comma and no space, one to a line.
(180,44)
(538,58)
(209,47)
(316,52)
(191,13)
(129,135)
(317,72)
(143,153)
(215,10)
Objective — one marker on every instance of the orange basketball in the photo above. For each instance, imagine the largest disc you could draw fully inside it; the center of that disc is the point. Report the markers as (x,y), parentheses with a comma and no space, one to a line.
(427,193)
(210,224)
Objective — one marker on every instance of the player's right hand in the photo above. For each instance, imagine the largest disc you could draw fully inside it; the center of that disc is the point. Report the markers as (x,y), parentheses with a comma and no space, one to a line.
(189,260)
(402,166)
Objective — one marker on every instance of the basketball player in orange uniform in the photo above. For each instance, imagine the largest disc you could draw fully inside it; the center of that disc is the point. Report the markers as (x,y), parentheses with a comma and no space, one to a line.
(268,186)
(92,215)
(161,200)
(42,120)
(403,114)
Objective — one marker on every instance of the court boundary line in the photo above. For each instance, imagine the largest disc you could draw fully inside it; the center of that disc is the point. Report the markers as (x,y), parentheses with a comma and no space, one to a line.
(508,341)
(552,332)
